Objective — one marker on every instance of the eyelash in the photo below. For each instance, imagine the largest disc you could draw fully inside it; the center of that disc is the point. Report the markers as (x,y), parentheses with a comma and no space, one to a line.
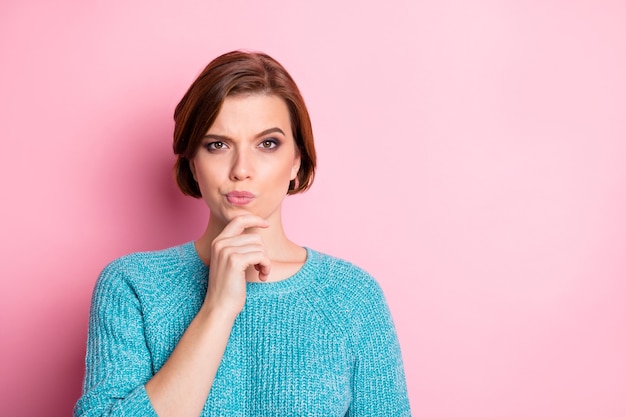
(272,142)
(210,146)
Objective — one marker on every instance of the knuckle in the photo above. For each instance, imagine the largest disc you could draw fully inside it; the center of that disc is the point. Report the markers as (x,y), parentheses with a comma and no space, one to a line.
(217,244)
(227,252)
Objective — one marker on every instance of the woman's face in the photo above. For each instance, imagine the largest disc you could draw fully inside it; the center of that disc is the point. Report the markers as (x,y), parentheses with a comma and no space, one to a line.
(247,158)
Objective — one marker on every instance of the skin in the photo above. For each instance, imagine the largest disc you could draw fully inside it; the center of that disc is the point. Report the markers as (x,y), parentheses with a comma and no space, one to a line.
(250,148)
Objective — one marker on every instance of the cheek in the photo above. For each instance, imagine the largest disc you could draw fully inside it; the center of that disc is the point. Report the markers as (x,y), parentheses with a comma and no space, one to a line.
(205,179)
(286,172)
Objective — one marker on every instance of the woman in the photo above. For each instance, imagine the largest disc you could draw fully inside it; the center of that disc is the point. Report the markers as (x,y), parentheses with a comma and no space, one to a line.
(243,321)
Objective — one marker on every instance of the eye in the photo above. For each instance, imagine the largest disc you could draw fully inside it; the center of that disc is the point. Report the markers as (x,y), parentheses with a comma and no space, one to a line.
(215,146)
(269,144)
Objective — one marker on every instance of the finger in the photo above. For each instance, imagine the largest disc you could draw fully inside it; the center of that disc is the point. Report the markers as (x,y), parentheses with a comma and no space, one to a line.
(244,251)
(264,270)
(240,223)
(247,239)
(256,258)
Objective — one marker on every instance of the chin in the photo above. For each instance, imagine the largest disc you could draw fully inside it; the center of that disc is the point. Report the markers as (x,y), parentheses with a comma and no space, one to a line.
(227,215)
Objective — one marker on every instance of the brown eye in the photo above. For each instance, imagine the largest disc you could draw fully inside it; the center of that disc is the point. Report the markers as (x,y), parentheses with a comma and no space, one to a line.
(215,146)
(269,144)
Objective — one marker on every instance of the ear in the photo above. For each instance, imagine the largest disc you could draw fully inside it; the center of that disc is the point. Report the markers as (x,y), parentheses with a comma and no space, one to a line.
(296,165)
(192,167)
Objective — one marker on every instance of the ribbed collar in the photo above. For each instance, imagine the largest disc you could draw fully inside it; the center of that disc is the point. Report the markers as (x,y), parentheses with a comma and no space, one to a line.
(256,289)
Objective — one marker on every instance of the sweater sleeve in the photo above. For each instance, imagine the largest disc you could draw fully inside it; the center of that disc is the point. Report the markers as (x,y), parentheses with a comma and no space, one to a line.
(118,362)
(379,386)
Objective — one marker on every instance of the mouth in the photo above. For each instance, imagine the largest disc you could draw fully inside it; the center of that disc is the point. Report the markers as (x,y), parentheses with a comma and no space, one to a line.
(239,198)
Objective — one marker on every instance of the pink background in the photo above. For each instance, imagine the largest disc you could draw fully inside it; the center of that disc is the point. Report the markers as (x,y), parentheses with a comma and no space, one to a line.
(472,156)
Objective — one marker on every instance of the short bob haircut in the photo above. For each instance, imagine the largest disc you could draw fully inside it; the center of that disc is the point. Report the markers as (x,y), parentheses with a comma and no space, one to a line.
(238,73)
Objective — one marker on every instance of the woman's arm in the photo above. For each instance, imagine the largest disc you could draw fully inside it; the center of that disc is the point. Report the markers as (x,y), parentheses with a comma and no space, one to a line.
(180,388)
(182,385)
(379,386)
(118,362)
(118,359)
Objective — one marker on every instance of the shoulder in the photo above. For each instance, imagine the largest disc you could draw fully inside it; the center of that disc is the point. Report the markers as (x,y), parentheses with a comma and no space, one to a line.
(338,271)
(351,299)
(344,282)
(141,268)
(138,261)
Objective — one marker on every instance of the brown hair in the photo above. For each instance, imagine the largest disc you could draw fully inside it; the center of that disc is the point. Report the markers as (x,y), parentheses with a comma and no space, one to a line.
(233,73)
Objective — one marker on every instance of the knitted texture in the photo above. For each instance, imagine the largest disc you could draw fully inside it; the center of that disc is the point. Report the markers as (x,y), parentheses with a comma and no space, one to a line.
(320,343)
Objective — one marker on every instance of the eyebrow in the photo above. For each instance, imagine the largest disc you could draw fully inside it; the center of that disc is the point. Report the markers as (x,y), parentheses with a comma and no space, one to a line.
(258,135)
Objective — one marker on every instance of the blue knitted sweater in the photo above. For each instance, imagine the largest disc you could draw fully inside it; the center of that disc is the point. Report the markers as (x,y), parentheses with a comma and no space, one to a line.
(320,343)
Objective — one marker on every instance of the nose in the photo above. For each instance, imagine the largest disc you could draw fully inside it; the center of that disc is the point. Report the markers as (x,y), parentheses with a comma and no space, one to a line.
(241,166)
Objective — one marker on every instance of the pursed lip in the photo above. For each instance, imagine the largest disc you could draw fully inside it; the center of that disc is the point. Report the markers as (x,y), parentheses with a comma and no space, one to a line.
(239,198)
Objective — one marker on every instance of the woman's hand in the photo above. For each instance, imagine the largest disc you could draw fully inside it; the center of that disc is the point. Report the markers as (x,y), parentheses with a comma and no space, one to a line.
(233,252)
(181,386)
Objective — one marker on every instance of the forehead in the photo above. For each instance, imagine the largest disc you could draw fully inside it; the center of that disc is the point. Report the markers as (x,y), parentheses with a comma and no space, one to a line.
(244,115)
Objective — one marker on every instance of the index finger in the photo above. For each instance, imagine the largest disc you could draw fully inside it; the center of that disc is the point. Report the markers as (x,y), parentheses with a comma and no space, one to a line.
(240,223)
